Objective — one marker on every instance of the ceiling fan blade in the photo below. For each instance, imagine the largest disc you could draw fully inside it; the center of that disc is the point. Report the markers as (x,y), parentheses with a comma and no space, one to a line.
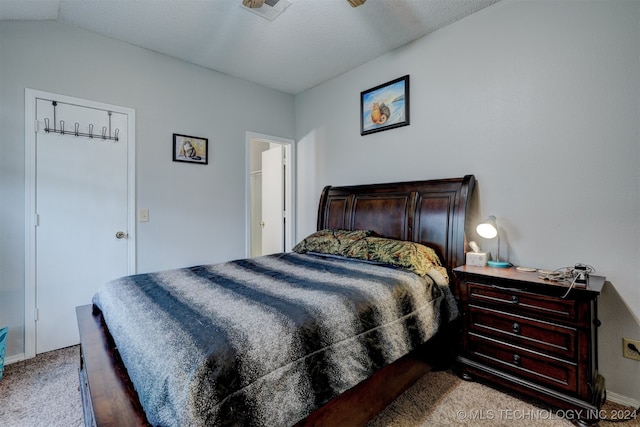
(252,4)
(356,3)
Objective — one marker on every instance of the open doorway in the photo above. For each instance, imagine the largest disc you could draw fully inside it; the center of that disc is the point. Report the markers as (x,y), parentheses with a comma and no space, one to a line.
(270,194)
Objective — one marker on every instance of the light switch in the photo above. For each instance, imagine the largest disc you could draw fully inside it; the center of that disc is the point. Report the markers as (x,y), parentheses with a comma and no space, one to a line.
(143,215)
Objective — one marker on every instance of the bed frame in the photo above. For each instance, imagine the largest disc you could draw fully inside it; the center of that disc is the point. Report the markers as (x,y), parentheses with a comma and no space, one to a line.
(429,212)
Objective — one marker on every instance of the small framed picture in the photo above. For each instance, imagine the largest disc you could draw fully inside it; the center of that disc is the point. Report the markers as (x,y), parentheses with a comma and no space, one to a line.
(190,149)
(385,107)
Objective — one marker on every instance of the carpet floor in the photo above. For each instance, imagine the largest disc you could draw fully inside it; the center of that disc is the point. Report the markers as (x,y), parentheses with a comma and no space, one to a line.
(44,391)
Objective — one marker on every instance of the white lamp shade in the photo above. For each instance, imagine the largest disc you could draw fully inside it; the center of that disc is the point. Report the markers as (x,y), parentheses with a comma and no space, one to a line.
(488,228)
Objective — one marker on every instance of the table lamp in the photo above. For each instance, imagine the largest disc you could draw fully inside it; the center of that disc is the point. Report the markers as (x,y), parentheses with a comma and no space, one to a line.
(488,229)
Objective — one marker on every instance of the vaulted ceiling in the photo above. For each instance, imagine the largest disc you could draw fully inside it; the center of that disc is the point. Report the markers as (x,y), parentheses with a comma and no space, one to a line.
(310,42)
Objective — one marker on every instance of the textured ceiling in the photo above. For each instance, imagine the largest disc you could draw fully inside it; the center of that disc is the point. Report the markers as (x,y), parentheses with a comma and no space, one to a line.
(310,42)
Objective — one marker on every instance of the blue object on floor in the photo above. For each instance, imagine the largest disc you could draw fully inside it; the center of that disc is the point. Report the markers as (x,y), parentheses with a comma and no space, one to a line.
(3,346)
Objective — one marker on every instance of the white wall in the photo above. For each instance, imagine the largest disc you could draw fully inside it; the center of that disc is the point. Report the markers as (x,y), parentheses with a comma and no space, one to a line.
(540,101)
(193,209)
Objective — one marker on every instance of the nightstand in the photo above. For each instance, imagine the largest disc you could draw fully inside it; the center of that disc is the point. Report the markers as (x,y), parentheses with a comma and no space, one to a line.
(521,333)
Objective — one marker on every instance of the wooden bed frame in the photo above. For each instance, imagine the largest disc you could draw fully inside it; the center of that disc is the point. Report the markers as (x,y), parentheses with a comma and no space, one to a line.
(429,212)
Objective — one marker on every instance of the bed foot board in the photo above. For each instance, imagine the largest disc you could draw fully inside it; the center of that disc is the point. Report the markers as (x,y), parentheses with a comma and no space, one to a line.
(360,404)
(114,402)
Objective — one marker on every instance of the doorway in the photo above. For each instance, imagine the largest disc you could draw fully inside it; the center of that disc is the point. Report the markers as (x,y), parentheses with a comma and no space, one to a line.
(270,194)
(80,210)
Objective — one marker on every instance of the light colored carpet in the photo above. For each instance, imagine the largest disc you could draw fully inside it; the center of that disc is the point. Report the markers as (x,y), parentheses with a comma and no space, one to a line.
(443,399)
(44,391)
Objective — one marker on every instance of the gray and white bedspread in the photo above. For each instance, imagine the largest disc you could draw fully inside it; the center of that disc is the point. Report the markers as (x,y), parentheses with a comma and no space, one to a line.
(264,341)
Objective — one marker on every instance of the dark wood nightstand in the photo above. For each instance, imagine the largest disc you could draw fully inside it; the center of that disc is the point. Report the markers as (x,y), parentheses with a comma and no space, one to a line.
(521,333)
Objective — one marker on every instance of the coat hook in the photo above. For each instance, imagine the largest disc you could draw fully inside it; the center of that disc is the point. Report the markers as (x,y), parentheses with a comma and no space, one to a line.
(109,114)
(54,103)
(117,132)
(77,129)
(104,132)
(46,125)
(61,127)
(90,130)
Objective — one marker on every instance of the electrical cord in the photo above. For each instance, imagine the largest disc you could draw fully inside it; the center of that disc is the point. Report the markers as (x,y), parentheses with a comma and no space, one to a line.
(571,275)
(568,275)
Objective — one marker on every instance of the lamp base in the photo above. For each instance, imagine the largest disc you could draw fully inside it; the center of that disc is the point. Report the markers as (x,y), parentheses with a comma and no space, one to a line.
(498,264)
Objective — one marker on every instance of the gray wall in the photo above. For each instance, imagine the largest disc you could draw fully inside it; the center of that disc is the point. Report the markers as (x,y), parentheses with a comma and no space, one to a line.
(169,96)
(540,100)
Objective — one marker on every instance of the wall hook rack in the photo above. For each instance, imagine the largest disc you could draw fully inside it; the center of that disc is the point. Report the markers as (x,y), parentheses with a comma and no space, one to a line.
(106,133)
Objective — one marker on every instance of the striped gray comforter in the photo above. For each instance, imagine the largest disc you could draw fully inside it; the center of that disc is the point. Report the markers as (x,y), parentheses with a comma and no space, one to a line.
(264,341)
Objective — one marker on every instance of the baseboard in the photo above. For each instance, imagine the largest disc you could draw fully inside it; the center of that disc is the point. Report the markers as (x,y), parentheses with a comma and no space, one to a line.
(622,400)
(13,359)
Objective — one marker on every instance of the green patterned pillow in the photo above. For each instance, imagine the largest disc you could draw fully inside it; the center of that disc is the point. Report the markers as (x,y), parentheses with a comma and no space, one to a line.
(332,242)
(411,256)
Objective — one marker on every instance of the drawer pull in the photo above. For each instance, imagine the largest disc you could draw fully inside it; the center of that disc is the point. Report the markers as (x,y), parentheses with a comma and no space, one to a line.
(516,328)
(516,360)
(515,299)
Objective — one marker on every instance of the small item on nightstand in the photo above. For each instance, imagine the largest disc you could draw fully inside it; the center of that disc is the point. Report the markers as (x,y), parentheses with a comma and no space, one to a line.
(476,257)
(489,229)
(526,269)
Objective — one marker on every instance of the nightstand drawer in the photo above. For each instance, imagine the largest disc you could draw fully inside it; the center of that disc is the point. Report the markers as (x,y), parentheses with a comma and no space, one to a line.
(537,367)
(540,306)
(537,335)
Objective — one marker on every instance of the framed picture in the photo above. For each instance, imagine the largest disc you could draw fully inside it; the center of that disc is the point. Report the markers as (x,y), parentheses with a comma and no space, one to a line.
(385,107)
(190,149)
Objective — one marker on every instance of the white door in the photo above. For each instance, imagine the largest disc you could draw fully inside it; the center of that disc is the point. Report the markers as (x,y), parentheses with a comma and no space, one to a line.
(82,212)
(272,200)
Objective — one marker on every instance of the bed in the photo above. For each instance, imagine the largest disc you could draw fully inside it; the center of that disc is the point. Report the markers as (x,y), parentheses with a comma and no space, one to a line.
(328,334)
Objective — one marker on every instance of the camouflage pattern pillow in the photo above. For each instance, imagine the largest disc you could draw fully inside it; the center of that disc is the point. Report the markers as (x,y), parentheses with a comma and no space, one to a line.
(411,256)
(333,242)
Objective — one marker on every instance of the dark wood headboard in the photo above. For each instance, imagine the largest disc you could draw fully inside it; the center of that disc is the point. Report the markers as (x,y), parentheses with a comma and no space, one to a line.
(429,212)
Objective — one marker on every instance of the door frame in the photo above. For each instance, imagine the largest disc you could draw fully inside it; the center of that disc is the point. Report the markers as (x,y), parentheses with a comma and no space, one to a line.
(290,227)
(31,127)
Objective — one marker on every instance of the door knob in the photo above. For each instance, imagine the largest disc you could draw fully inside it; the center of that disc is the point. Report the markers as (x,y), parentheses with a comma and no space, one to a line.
(121,235)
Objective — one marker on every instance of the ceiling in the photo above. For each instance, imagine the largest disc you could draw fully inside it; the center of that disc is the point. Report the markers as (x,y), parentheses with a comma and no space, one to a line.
(311,42)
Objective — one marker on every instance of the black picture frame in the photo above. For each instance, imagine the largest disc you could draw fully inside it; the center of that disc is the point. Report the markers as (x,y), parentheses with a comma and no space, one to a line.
(385,106)
(190,149)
